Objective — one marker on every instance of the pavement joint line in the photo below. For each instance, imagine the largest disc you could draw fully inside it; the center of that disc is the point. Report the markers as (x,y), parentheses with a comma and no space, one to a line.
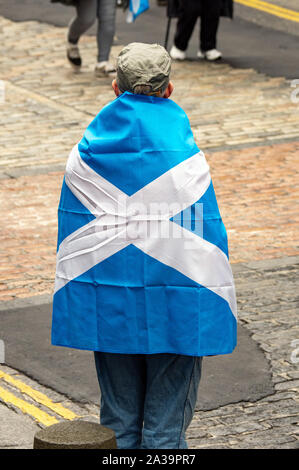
(39,397)
(46,101)
(27,408)
(274,10)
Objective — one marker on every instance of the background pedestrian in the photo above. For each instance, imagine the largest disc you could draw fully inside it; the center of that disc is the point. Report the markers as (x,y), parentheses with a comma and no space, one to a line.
(209,13)
(87,11)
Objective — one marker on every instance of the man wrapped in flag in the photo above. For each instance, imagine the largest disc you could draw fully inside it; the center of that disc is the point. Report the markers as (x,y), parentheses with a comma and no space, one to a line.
(143,277)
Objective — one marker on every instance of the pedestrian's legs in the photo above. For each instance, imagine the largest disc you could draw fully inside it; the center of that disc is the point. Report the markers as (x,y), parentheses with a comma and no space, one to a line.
(86,15)
(106,27)
(209,22)
(186,23)
(172,384)
(122,383)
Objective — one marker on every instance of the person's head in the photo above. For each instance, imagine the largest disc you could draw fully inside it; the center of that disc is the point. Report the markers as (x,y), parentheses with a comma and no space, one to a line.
(143,69)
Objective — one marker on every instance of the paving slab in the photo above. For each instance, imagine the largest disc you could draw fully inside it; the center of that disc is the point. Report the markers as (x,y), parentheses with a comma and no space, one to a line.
(16,430)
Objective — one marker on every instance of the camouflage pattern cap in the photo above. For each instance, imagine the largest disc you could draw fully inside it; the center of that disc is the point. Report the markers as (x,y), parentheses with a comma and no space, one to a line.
(143,64)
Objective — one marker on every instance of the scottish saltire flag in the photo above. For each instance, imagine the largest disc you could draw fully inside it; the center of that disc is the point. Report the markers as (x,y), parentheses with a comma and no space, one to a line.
(136,7)
(133,275)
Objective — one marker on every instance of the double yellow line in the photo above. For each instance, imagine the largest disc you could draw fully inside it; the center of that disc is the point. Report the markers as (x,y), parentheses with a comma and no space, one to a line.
(28,408)
(271,9)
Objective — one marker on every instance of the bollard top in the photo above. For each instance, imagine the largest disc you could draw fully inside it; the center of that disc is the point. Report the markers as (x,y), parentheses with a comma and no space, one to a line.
(77,434)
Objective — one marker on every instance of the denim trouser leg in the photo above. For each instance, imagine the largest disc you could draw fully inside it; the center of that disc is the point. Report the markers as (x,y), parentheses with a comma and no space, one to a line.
(172,384)
(148,400)
(122,383)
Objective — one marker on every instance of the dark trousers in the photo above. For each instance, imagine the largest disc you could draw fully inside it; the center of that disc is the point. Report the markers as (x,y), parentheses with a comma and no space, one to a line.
(209,12)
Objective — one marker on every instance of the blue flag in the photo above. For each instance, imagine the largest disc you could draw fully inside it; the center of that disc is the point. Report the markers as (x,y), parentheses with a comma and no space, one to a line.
(142,256)
(136,7)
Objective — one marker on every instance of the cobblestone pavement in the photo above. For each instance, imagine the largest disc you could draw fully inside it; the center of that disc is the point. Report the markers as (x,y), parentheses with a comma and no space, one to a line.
(268,307)
(247,125)
(226,106)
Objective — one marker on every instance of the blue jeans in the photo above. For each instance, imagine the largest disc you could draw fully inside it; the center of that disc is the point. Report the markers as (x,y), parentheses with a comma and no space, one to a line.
(148,400)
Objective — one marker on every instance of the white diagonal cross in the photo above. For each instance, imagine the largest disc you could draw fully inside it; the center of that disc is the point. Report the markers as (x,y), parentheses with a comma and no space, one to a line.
(117,215)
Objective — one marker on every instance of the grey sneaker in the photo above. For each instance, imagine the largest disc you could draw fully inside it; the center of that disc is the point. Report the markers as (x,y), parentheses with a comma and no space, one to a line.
(105,68)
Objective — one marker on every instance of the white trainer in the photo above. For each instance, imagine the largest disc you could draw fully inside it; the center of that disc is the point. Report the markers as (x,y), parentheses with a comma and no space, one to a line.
(177,54)
(105,68)
(212,54)
(200,54)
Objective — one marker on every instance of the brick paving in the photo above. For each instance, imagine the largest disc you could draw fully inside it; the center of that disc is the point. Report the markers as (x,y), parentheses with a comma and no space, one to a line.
(248,127)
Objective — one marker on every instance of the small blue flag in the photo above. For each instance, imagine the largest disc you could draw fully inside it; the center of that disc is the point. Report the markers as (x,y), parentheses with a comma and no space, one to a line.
(136,7)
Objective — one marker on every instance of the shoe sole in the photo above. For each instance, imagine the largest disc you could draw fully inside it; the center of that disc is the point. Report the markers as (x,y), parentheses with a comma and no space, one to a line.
(213,60)
(178,58)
